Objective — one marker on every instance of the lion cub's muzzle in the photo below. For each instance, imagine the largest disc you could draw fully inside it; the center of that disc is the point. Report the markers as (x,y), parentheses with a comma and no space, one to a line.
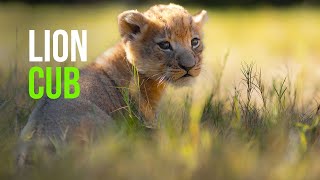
(188,63)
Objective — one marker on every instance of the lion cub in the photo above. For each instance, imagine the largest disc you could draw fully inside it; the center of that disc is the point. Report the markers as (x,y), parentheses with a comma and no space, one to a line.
(158,47)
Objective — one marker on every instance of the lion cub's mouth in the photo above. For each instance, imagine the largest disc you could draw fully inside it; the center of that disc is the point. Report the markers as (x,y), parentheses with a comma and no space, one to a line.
(186,75)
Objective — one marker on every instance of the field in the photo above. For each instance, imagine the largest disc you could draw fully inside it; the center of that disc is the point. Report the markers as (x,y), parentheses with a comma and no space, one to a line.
(252,114)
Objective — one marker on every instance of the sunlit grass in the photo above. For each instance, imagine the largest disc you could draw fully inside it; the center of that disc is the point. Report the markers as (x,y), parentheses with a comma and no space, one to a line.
(220,128)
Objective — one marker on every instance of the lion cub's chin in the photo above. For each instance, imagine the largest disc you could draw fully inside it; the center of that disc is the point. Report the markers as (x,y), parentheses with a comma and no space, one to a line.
(185,81)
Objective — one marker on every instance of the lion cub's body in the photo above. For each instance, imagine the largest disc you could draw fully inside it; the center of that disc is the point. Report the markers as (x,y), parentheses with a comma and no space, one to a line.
(141,64)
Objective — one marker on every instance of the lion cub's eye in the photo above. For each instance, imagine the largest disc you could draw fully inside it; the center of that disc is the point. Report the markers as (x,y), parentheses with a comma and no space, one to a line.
(195,42)
(165,45)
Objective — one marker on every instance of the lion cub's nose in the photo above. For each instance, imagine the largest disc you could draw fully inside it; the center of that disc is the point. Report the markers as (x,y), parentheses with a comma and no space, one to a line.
(187,68)
(186,60)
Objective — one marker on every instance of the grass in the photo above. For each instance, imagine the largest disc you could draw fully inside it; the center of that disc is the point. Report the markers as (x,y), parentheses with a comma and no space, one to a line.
(252,114)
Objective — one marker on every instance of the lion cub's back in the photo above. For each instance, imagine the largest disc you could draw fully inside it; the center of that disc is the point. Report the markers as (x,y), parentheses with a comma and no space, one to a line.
(97,100)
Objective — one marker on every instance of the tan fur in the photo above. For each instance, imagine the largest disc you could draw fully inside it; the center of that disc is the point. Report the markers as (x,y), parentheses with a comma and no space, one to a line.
(102,83)
(161,22)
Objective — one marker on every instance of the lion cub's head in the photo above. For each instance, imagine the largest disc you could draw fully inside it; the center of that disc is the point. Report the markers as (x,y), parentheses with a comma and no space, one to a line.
(164,43)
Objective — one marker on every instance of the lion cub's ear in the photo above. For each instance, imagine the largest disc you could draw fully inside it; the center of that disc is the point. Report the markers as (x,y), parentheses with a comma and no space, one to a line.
(131,24)
(200,18)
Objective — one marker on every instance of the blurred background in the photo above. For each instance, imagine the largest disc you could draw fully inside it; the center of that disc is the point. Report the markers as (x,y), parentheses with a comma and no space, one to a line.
(279,38)
(201,2)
